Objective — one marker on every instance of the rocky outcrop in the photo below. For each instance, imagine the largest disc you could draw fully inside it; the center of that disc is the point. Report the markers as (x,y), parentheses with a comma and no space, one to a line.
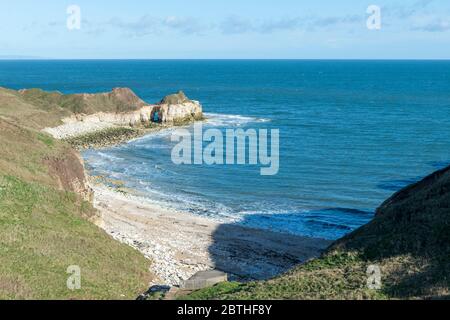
(173,109)
(186,111)
(176,98)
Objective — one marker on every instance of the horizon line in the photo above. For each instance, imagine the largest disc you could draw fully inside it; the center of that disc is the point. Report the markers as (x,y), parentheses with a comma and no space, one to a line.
(224,59)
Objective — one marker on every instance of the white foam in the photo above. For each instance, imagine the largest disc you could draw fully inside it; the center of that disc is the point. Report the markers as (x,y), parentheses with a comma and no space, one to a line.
(230,120)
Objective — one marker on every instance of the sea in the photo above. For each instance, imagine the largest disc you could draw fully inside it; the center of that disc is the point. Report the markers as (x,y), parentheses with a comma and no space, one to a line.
(351,133)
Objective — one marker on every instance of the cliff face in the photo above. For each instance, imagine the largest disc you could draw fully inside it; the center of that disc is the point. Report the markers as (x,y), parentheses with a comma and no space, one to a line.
(172,109)
(67,169)
(187,111)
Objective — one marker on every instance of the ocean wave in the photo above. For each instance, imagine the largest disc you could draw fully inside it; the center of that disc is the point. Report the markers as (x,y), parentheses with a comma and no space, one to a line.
(141,141)
(230,120)
(185,201)
(109,156)
(212,120)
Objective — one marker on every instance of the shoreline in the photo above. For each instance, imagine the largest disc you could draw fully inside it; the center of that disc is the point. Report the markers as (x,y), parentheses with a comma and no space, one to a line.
(181,243)
(115,135)
(110,137)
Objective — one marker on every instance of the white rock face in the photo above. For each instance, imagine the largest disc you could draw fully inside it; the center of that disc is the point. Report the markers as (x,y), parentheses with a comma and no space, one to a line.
(80,124)
(174,112)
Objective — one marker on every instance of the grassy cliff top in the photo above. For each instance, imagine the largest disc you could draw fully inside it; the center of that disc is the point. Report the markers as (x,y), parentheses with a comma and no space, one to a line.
(176,98)
(38,109)
(44,219)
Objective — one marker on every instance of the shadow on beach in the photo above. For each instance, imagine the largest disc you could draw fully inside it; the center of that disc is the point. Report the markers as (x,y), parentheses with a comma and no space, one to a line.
(256,254)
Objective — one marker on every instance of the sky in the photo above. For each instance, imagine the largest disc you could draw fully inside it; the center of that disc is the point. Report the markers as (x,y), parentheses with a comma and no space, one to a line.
(225,29)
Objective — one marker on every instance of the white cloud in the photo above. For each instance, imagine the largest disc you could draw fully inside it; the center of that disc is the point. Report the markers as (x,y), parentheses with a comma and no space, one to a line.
(431,24)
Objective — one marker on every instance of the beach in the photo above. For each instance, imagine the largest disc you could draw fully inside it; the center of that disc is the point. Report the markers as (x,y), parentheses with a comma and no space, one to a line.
(179,244)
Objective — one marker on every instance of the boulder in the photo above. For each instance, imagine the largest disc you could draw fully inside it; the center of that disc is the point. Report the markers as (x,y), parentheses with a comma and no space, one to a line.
(178,108)
(185,112)
(204,279)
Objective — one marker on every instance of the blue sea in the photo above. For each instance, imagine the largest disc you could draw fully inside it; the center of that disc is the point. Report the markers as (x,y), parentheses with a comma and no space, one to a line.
(351,134)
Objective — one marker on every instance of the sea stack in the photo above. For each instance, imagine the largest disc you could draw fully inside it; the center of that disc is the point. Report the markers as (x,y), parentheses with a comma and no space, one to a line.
(178,108)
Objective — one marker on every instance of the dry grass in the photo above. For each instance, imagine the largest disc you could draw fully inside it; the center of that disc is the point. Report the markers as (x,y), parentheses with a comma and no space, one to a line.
(35,108)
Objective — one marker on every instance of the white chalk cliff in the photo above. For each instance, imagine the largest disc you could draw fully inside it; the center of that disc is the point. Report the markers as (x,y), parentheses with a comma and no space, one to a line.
(172,109)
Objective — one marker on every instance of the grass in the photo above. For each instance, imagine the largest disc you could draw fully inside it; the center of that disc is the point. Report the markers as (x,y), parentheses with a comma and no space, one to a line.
(342,275)
(120,100)
(15,108)
(46,139)
(188,120)
(43,231)
(45,227)
(35,108)
(337,276)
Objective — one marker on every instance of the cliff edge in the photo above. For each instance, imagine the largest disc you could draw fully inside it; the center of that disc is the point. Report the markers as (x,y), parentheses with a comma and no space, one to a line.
(69,115)
(121,108)
(45,214)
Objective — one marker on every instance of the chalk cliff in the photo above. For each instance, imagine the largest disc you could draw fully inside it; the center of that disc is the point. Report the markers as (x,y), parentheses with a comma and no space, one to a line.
(177,107)
(172,109)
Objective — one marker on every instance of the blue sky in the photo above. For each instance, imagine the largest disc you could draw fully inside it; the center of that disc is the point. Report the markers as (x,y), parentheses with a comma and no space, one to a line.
(197,29)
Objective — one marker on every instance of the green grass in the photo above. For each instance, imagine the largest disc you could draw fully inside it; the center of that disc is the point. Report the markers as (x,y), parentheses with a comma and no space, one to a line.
(341,275)
(338,276)
(44,227)
(43,231)
(46,139)
(221,290)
